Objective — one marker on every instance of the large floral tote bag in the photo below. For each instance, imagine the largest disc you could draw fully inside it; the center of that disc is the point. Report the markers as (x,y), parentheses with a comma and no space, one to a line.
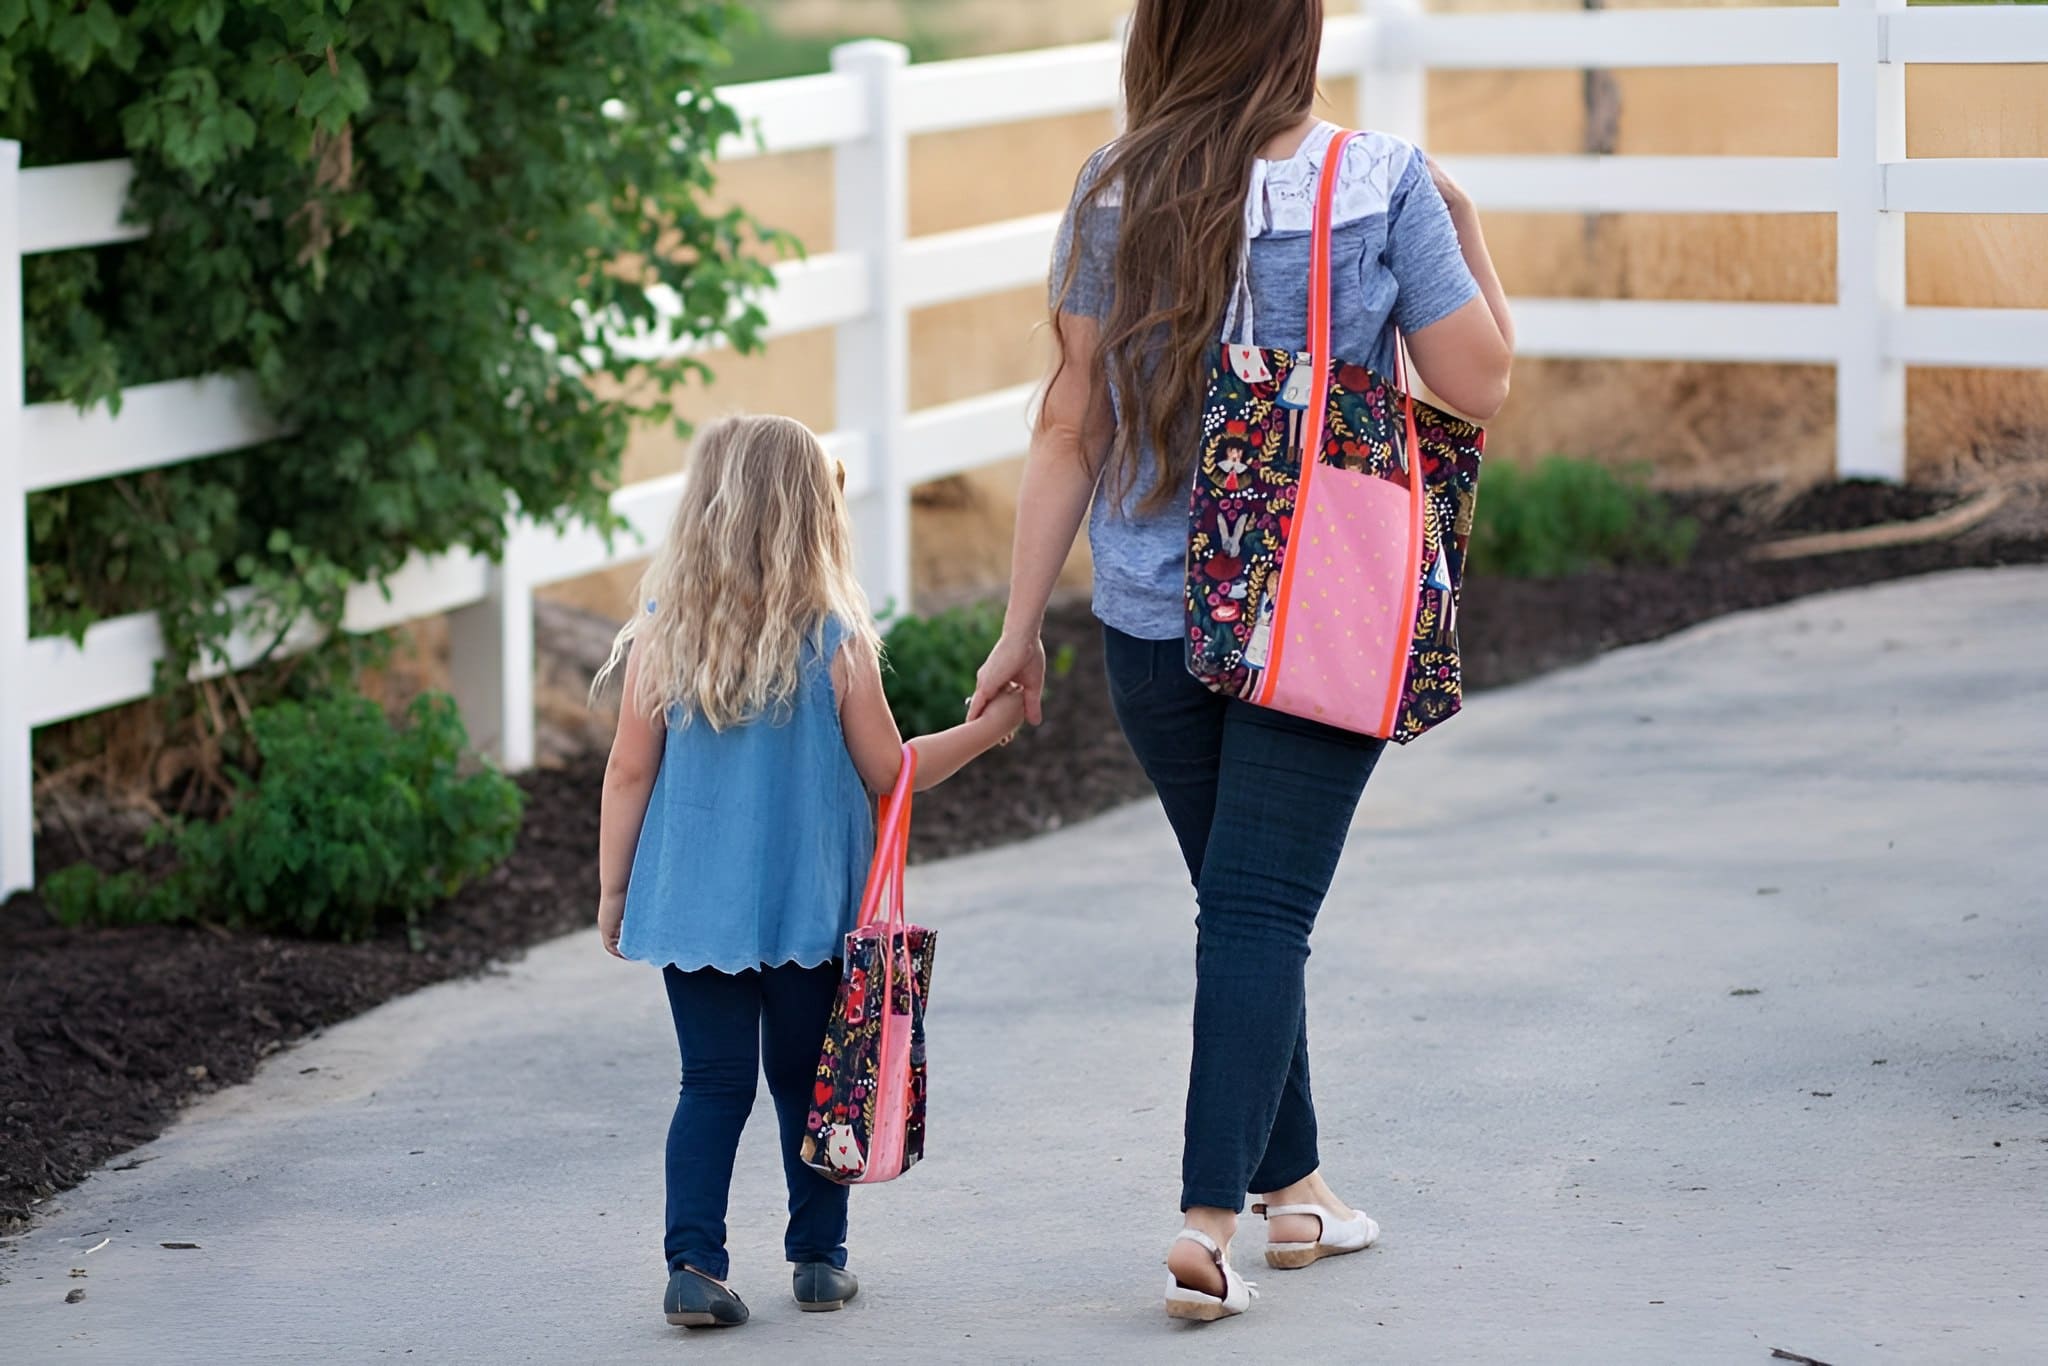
(1328,587)
(867,1106)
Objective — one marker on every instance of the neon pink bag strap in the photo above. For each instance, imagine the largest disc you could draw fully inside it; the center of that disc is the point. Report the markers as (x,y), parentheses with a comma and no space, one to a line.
(1320,250)
(1319,246)
(892,848)
(882,901)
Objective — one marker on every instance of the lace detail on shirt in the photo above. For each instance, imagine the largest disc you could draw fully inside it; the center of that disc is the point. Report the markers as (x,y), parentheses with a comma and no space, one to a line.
(1282,197)
(1282,194)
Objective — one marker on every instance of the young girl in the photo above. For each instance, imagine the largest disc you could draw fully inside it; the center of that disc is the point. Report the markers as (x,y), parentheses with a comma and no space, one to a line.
(736,828)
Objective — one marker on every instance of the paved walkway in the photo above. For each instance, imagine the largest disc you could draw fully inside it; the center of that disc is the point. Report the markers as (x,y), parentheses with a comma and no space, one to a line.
(1674,1008)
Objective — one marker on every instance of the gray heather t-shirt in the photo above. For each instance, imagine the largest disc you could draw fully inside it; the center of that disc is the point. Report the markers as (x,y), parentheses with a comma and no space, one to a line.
(1396,262)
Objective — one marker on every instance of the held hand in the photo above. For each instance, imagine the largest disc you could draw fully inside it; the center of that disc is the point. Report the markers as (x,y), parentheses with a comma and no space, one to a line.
(1006,709)
(611,915)
(1017,660)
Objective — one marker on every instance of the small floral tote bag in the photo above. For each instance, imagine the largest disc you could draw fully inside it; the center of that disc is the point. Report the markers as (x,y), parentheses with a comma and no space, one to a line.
(1327,587)
(867,1105)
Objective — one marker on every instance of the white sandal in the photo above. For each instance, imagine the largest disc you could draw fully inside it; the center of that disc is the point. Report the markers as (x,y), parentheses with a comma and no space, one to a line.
(1334,1238)
(1185,1302)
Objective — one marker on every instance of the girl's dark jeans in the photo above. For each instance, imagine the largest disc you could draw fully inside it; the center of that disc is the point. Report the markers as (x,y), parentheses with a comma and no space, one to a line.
(1260,803)
(732,1027)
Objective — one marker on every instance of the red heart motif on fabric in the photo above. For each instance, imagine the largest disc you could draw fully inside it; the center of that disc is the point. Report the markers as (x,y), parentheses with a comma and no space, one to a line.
(821,1092)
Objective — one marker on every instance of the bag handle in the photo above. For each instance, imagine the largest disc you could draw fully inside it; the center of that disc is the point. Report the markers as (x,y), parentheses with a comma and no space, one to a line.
(1318,332)
(892,849)
(882,902)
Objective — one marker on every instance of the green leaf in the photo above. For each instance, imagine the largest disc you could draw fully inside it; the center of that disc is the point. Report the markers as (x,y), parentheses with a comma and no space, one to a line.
(207,19)
(237,129)
(102,24)
(71,41)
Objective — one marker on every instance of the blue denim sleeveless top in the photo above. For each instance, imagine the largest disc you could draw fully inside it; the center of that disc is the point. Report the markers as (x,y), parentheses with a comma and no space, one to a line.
(755,848)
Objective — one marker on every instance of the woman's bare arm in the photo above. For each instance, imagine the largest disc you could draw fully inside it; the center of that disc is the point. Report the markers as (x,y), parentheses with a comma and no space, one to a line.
(1075,427)
(1465,358)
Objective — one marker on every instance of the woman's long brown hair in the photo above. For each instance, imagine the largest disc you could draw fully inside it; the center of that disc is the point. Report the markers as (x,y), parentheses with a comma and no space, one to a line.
(1207,83)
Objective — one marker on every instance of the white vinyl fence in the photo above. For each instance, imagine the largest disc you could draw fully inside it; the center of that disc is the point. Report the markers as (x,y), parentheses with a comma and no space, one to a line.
(869,106)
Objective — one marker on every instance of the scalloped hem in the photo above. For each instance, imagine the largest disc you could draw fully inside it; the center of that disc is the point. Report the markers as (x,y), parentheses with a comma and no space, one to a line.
(690,963)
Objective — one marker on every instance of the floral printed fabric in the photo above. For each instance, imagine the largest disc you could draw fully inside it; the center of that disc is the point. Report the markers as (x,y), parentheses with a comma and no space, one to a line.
(1242,511)
(845,1107)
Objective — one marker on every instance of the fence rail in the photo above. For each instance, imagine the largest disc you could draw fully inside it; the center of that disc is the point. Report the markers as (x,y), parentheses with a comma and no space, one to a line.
(868,107)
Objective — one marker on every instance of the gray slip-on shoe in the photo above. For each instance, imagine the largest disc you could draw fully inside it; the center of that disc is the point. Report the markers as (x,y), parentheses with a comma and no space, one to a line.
(822,1287)
(694,1300)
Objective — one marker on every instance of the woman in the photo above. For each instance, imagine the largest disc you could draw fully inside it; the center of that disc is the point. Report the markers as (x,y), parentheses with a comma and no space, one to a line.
(1200,210)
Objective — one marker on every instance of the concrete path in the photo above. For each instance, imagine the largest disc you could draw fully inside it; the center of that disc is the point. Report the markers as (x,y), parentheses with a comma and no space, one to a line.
(1675,1008)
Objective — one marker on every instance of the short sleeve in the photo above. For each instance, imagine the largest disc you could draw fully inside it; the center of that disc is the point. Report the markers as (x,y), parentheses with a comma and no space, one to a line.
(832,634)
(1431,279)
(1087,240)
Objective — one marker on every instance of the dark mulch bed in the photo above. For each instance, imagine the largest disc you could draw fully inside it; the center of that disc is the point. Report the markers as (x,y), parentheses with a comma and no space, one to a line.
(105,1033)
(1512,629)
(1861,503)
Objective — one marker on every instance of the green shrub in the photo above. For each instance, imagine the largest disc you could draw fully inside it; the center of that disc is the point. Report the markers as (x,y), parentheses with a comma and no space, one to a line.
(352,824)
(83,895)
(1561,516)
(377,209)
(929,664)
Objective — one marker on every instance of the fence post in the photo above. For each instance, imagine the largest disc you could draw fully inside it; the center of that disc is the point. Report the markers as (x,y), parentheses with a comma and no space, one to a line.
(491,661)
(1392,89)
(870,191)
(1870,247)
(17,775)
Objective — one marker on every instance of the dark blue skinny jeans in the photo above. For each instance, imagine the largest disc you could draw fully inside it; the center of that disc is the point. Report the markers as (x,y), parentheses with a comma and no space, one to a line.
(732,1028)
(1260,803)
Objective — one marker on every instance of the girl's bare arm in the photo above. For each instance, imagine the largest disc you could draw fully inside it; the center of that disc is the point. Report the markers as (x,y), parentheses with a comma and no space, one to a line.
(628,780)
(877,745)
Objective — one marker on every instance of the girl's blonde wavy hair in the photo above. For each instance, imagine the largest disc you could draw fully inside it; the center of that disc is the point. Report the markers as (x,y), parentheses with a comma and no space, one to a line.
(758,556)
